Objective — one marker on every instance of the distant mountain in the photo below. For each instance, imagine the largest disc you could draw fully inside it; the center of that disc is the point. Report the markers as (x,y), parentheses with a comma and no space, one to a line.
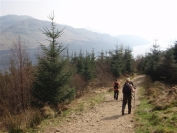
(93,30)
(29,29)
(7,21)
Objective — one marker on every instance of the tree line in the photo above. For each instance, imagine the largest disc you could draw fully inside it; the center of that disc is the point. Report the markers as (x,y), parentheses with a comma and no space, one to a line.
(160,65)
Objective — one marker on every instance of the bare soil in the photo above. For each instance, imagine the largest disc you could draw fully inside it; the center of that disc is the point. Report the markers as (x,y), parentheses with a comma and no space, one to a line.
(103,118)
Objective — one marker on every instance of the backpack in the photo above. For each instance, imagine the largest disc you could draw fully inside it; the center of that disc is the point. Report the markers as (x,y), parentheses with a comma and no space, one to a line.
(116,85)
(131,83)
(127,90)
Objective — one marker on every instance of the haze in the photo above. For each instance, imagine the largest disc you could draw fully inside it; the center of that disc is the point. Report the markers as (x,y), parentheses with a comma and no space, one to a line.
(150,19)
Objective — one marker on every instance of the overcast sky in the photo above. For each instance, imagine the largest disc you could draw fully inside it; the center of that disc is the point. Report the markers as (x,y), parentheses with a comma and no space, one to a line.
(146,18)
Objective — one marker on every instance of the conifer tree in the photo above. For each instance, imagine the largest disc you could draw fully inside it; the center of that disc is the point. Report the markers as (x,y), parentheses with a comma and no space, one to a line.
(89,66)
(80,63)
(168,68)
(139,63)
(175,51)
(128,60)
(51,76)
(85,65)
(103,73)
(117,64)
(152,62)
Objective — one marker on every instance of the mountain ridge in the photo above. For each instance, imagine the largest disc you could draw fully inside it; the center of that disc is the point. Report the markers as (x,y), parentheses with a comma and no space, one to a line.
(28,28)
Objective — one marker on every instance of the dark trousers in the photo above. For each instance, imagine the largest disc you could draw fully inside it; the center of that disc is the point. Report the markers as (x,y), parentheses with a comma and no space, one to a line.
(125,100)
(116,93)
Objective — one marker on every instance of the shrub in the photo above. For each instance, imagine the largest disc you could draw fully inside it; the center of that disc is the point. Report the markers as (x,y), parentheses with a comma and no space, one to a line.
(12,123)
(47,112)
(33,118)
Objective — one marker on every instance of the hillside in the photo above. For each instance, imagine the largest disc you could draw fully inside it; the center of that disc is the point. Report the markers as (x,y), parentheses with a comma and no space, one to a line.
(29,28)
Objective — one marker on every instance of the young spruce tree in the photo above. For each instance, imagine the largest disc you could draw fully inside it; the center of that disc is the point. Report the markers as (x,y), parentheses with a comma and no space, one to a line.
(51,78)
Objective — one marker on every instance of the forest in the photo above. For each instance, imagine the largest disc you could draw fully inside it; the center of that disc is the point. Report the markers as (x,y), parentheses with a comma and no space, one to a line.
(60,76)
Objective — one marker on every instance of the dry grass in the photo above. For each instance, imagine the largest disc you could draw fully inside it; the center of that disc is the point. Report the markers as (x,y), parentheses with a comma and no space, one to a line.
(19,123)
(157,111)
(47,112)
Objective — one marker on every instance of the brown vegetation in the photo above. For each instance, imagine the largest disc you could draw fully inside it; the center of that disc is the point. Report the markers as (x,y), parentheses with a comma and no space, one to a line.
(161,95)
(16,82)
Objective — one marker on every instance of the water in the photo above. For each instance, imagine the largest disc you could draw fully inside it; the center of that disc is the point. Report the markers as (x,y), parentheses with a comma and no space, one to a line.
(143,49)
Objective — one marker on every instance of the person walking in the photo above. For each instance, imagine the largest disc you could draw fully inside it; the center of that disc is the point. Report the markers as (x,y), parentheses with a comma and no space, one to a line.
(116,85)
(131,83)
(127,95)
(133,92)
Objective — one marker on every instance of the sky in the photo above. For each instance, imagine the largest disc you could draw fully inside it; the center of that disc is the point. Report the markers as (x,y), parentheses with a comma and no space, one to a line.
(150,19)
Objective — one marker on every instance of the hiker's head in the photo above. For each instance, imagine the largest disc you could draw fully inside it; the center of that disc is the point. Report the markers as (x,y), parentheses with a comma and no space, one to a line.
(127,80)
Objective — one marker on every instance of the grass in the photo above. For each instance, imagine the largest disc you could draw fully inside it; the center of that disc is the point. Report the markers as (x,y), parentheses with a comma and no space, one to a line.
(151,120)
(22,122)
(33,122)
(78,107)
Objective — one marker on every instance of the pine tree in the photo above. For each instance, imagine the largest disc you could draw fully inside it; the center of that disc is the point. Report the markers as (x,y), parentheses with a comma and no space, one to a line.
(51,77)
(89,66)
(128,58)
(168,69)
(117,64)
(152,61)
(102,71)
(85,65)
(175,51)
(80,63)
(139,63)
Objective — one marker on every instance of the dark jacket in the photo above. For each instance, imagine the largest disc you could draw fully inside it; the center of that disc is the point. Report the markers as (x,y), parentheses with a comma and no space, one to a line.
(126,89)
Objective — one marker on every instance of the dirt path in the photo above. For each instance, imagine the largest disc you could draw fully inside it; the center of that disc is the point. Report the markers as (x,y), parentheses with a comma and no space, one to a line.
(103,118)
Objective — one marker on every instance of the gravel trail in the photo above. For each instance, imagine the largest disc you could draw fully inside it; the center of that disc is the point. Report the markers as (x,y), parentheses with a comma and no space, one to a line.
(103,118)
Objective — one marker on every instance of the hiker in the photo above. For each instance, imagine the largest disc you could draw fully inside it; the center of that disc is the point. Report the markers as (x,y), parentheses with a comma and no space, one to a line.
(134,87)
(131,83)
(127,95)
(116,85)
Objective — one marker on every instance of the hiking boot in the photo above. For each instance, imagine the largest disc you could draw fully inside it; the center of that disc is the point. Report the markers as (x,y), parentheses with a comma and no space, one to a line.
(122,112)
